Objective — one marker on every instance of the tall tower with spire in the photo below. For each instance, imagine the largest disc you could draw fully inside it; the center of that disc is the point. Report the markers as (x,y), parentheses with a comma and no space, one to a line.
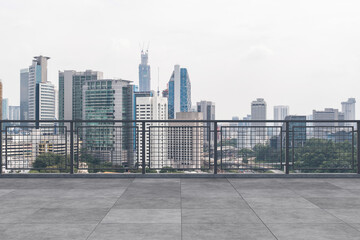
(144,72)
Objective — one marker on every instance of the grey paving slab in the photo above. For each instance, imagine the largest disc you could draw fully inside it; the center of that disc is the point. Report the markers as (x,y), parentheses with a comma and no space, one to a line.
(15,215)
(280,203)
(254,231)
(267,193)
(81,203)
(23,202)
(347,215)
(48,231)
(346,183)
(129,231)
(150,192)
(356,226)
(4,226)
(314,231)
(325,193)
(67,216)
(255,183)
(350,203)
(213,202)
(148,203)
(143,216)
(298,184)
(220,216)
(297,215)
(5,191)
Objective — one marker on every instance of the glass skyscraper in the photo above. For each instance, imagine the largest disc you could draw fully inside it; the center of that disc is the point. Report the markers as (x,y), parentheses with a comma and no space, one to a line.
(179,99)
(71,92)
(144,73)
(24,94)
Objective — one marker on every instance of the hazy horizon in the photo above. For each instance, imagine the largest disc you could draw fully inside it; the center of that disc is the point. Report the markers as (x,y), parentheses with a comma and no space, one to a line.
(304,54)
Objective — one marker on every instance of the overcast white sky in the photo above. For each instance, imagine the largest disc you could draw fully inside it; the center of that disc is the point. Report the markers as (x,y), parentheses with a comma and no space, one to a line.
(305,53)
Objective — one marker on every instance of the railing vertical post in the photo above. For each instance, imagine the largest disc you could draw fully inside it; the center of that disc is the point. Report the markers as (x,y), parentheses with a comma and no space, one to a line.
(1,146)
(287,146)
(71,147)
(215,148)
(358,146)
(143,138)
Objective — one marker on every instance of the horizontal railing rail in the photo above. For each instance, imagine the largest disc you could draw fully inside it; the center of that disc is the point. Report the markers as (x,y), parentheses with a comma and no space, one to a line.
(180,146)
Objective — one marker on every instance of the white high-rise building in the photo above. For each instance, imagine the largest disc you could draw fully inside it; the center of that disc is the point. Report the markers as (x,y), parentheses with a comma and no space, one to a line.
(348,108)
(46,101)
(41,92)
(280,112)
(153,108)
(258,112)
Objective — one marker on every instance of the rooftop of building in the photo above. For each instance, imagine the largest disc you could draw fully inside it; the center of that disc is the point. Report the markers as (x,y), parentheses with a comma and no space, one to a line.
(179,208)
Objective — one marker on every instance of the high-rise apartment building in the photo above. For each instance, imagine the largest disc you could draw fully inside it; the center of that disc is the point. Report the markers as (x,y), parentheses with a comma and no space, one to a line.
(41,92)
(258,112)
(179,85)
(14,113)
(71,92)
(348,108)
(153,108)
(186,141)
(280,112)
(144,72)
(328,114)
(207,109)
(24,94)
(109,99)
(5,109)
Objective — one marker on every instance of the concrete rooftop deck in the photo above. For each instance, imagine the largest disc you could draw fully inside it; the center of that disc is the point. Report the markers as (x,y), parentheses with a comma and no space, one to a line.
(156,209)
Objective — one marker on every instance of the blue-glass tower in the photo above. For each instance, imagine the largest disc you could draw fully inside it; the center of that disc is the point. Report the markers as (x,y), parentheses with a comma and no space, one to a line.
(179,86)
(144,73)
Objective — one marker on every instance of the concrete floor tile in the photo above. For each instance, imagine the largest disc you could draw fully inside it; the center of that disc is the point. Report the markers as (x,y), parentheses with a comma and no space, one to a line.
(67,216)
(279,203)
(219,216)
(297,215)
(253,231)
(48,231)
(347,215)
(148,203)
(210,203)
(314,231)
(130,231)
(143,216)
(328,203)
(15,215)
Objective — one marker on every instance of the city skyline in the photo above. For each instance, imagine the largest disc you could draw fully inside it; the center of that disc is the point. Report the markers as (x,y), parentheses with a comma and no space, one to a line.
(239,51)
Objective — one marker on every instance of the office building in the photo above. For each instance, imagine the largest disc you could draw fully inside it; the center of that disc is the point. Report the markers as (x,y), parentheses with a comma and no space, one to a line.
(185,142)
(179,99)
(258,112)
(41,92)
(24,94)
(144,72)
(14,113)
(153,108)
(71,92)
(297,130)
(328,114)
(113,143)
(348,108)
(5,109)
(280,112)
(207,109)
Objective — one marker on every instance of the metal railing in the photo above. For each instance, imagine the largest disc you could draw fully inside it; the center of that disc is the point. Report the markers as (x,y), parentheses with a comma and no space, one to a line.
(179,146)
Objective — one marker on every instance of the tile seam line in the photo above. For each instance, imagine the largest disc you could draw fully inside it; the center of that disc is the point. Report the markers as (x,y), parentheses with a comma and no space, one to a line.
(127,186)
(252,210)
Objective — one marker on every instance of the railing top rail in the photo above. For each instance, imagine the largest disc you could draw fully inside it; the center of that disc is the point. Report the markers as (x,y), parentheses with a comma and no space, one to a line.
(176,120)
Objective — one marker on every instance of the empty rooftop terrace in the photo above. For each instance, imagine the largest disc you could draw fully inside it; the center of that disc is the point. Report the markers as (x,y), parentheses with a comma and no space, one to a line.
(179,208)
